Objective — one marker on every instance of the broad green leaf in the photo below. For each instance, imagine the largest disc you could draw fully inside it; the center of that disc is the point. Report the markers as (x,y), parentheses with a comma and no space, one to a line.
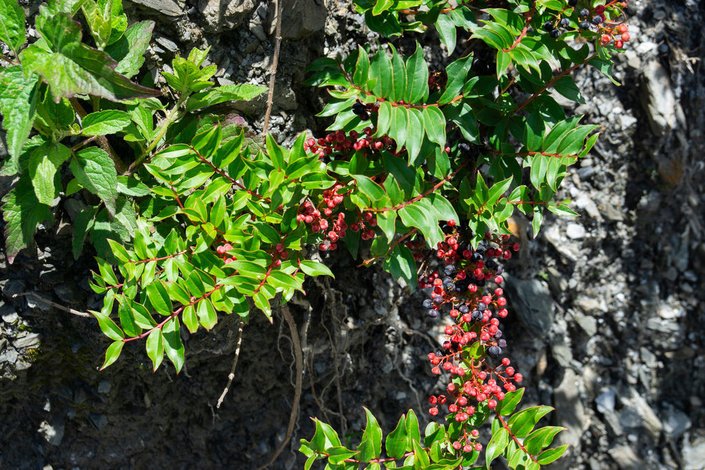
(314,268)
(523,422)
(129,50)
(414,215)
(541,438)
(225,93)
(457,74)
(206,314)
(106,122)
(12,30)
(18,101)
(173,346)
(447,31)
(435,125)
(43,167)
(98,16)
(496,446)
(381,74)
(159,298)
(95,170)
(551,455)
(371,445)
(113,351)
(72,68)
(397,442)
(510,402)
(381,6)
(22,214)
(414,133)
(108,326)
(362,68)
(155,347)
(401,264)
(398,76)
(416,77)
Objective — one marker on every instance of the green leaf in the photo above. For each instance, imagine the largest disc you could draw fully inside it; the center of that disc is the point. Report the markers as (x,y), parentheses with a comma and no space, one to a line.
(496,446)
(95,170)
(371,445)
(22,214)
(414,133)
(173,346)
(106,122)
(314,268)
(130,49)
(541,438)
(44,163)
(457,74)
(82,223)
(72,68)
(416,216)
(381,6)
(416,77)
(108,326)
(401,264)
(397,442)
(421,460)
(222,94)
(155,348)
(18,101)
(362,67)
(447,32)
(206,314)
(12,30)
(510,402)
(381,74)
(551,455)
(435,125)
(113,351)
(398,75)
(98,16)
(159,298)
(524,421)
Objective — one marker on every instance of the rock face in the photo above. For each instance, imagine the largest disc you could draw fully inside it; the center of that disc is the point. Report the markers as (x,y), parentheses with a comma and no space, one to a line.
(613,301)
(225,15)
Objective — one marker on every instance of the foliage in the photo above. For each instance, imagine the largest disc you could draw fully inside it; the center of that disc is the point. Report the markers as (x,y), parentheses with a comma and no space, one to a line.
(190,217)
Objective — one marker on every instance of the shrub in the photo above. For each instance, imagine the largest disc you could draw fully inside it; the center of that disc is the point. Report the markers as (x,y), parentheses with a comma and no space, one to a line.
(422,170)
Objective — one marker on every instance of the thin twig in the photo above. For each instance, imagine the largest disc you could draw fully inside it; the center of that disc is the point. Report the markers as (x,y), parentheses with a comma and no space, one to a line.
(275,64)
(53,304)
(231,375)
(299,361)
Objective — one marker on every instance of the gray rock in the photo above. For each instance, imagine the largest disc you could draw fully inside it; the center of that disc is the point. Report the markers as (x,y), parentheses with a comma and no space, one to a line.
(13,287)
(28,340)
(575,231)
(165,7)
(625,457)
(104,387)
(570,410)
(302,18)
(588,324)
(10,317)
(638,415)
(52,433)
(663,109)
(675,423)
(225,15)
(693,453)
(533,303)
(606,401)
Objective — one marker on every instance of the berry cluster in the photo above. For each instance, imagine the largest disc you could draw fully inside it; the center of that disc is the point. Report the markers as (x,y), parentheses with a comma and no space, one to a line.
(468,288)
(339,143)
(325,220)
(222,251)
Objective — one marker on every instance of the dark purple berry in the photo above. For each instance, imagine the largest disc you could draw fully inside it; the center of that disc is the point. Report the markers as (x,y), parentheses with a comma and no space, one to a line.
(584,12)
(597,20)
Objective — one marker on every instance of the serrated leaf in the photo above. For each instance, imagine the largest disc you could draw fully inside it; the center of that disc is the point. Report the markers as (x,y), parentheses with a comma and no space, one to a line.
(225,93)
(22,214)
(95,170)
(173,346)
(130,49)
(155,348)
(72,68)
(18,101)
(105,122)
(12,30)
(43,166)
(113,351)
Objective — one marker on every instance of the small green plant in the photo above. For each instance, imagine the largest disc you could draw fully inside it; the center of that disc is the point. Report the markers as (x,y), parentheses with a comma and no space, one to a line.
(422,170)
